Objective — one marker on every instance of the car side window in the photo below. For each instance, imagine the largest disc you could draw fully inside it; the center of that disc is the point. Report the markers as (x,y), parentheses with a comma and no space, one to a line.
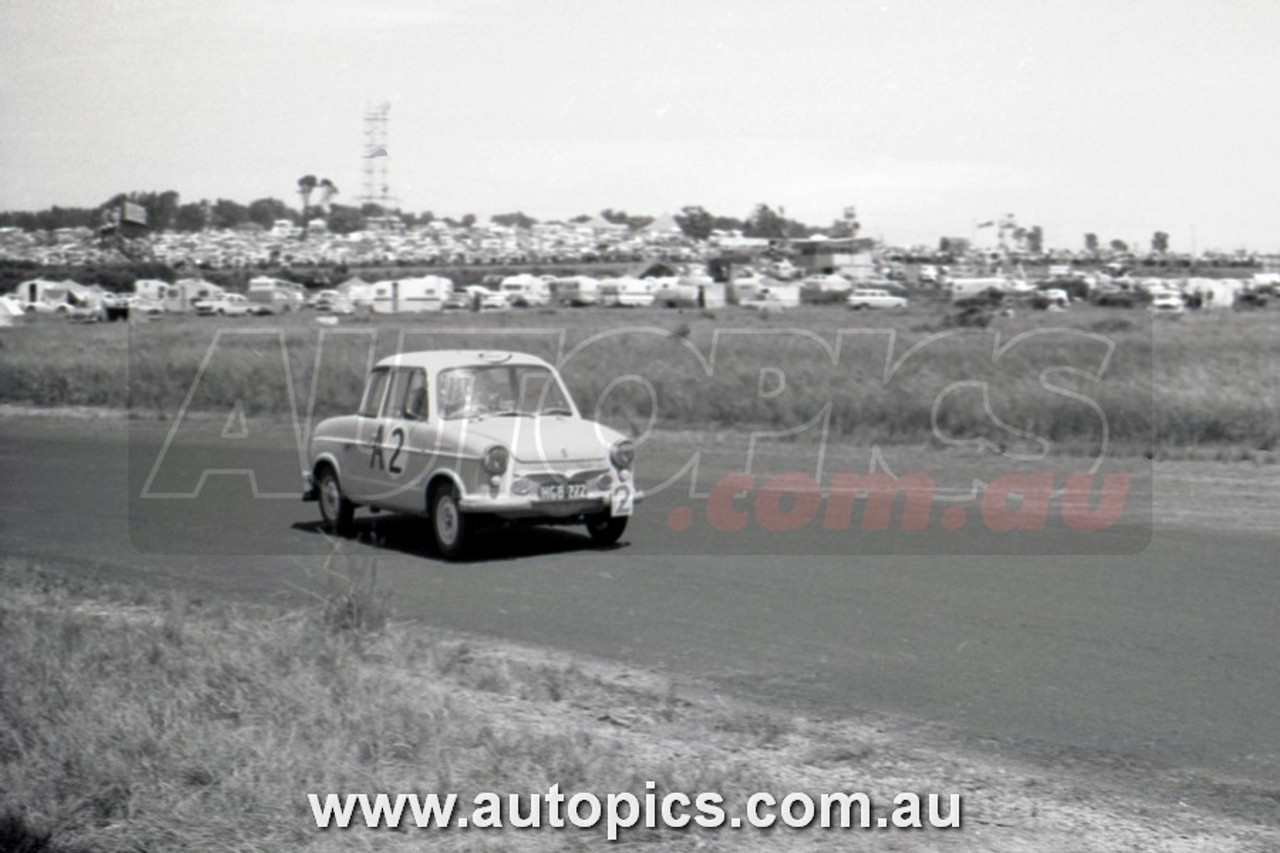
(374,392)
(393,406)
(415,396)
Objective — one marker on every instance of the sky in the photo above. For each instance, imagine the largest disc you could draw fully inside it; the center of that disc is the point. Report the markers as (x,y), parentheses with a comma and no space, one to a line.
(927,116)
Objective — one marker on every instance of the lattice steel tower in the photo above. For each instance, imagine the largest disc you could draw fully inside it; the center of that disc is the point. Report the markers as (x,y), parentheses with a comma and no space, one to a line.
(377,187)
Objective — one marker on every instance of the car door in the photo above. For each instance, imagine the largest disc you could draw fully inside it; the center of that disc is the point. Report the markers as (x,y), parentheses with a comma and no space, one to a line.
(403,436)
(414,434)
(360,452)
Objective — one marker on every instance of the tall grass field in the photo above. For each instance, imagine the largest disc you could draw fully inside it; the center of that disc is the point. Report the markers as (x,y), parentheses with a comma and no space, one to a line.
(1207,379)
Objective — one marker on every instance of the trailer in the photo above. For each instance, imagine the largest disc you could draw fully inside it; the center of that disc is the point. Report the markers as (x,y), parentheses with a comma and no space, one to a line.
(159,292)
(972,288)
(186,292)
(67,298)
(275,295)
(577,291)
(627,292)
(403,296)
(525,291)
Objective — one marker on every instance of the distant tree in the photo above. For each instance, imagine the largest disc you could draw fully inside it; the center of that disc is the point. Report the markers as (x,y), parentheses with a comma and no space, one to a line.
(345,220)
(1160,242)
(1091,242)
(580,218)
(162,209)
(1119,246)
(190,217)
(265,211)
(1035,240)
(306,186)
(695,222)
(468,221)
(765,222)
(228,214)
(328,189)
(513,220)
(51,219)
(621,217)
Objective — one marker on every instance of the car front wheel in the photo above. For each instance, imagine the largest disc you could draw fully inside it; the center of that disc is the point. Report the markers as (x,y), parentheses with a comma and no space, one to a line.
(448,523)
(336,511)
(605,529)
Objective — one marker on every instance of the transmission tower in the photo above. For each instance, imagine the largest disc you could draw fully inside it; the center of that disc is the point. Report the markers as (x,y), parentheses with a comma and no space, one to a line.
(377,187)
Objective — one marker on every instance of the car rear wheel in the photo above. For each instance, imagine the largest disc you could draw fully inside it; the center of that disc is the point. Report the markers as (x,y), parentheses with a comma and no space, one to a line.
(448,523)
(605,529)
(336,511)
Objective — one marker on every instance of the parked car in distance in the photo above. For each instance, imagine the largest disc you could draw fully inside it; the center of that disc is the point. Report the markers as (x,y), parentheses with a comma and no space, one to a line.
(874,297)
(467,440)
(494,302)
(225,304)
(141,305)
(334,302)
(764,302)
(460,301)
(1167,304)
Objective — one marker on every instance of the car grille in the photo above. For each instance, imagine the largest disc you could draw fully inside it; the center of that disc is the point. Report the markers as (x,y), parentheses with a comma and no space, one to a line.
(563,474)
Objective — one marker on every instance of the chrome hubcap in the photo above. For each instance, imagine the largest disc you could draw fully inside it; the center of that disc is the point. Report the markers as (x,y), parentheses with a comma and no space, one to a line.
(330,496)
(447,520)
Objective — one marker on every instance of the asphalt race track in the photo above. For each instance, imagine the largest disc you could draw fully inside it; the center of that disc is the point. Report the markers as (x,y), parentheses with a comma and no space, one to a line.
(1165,657)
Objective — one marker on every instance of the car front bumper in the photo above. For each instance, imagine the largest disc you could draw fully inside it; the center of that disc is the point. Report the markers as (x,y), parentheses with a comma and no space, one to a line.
(513,506)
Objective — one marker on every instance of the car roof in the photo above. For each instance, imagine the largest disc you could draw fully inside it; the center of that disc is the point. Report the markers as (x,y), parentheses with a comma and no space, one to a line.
(447,358)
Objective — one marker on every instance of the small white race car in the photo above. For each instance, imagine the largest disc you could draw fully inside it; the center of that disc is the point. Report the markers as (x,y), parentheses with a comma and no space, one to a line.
(225,305)
(874,297)
(469,439)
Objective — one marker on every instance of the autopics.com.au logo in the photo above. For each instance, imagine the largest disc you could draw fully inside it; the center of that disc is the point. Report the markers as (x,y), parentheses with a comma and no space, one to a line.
(751,440)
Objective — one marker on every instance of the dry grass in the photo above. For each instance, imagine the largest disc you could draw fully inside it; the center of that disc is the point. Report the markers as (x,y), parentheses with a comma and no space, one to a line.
(1204,380)
(1201,381)
(130,722)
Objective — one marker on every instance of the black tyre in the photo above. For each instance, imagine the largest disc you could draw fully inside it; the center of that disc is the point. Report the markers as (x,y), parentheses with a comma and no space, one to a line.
(605,529)
(337,513)
(448,522)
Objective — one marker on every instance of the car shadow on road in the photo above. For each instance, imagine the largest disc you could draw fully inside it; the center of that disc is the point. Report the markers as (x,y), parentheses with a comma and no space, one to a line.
(410,535)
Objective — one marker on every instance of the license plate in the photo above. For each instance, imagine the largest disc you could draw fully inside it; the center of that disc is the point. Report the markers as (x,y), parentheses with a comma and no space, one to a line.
(562,491)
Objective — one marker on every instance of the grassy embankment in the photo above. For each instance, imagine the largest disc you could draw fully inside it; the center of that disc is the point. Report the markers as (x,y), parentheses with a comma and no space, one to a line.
(1202,381)
(135,721)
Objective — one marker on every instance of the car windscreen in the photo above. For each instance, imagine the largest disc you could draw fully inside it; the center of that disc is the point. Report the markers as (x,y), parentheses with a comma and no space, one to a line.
(498,390)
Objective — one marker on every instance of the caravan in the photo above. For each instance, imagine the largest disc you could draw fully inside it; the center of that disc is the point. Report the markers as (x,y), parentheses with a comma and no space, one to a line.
(157,292)
(186,292)
(577,291)
(975,288)
(525,291)
(275,295)
(66,298)
(627,292)
(403,296)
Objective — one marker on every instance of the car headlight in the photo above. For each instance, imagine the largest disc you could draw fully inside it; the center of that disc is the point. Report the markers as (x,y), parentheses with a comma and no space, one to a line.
(496,459)
(623,454)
